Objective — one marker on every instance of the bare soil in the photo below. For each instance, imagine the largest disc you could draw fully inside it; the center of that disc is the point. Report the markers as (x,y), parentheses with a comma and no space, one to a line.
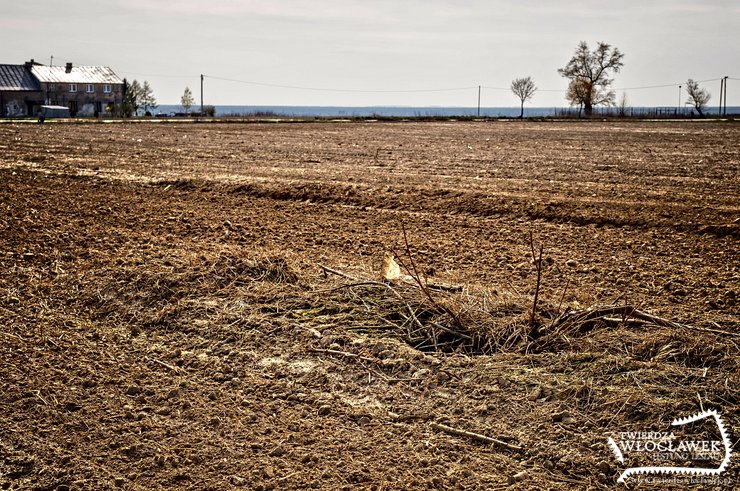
(166,323)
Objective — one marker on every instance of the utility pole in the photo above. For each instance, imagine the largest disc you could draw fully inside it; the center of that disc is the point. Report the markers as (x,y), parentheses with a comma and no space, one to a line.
(721,91)
(724,111)
(479,101)
(678,109)
(201,94)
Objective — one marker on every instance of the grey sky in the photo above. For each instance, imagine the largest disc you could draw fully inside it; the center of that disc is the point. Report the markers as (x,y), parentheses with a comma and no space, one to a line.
(378,46)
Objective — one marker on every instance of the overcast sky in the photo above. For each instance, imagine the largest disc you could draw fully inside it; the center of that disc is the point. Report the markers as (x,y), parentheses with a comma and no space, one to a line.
(379,52)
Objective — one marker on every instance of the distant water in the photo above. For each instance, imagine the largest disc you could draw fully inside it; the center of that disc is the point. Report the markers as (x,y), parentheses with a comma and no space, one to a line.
(403,111)
(367,111)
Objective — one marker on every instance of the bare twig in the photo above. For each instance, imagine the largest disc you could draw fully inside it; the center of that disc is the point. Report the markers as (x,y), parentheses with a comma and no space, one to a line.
(618,411)
(338,273)
(714,331)
(538,264)
(441,286)
(622,320)
(289,475)
(560,304)
(415,274)
(353,285)
(452,331)
(13,336)
(166,365)
(624,314)
(38,394)
(422,285)
(658,321)
(346,354)
(477,436)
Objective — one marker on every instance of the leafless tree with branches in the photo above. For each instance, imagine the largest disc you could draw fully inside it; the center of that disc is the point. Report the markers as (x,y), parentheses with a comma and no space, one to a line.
(588,72)
(699,98)
(524,89)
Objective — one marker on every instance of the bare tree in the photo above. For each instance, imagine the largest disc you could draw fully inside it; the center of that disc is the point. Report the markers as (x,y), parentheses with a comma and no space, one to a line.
(524,89)
(588,72)
(699,98)
(623,104)
(187,100)
(147,99)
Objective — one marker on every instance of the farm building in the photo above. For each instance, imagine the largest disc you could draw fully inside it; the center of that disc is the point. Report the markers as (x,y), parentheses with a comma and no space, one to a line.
(85,90)
(19,91)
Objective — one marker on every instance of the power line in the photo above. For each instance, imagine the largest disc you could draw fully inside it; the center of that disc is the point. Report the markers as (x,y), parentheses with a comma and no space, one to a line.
(156,75)
(643,87)
(648,87)
(399,91)
(324,89)
(709,80)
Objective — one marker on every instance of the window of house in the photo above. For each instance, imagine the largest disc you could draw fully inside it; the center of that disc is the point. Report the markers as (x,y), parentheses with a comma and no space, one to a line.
(107,89)
(73,87)
(52,87)
(90,88)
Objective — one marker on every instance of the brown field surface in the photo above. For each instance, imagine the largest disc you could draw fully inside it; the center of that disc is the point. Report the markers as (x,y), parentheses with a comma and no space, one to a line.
(199,306)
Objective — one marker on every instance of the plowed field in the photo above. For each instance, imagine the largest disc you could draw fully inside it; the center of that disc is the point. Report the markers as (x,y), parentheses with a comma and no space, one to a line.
(200,306)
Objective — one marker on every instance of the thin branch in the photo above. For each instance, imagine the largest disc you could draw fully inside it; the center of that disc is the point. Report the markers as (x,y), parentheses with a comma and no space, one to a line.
(13,336)
(560,304)
(346,354)
(538,265)
(166,365)
(476,436)
(338,273)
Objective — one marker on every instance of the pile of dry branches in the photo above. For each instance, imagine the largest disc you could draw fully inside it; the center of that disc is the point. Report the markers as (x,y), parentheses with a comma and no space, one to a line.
(449,318)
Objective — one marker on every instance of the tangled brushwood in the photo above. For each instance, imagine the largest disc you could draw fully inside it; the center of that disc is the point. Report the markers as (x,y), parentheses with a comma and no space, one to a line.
(428,316)
(441,318)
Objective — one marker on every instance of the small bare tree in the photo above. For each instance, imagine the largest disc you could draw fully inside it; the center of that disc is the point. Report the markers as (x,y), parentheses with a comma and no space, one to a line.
(623,104)
(147,99)
(187,100)
(699,98)
(524,89)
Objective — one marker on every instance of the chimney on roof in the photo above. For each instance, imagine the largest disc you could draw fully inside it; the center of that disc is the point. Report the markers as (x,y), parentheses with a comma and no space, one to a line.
(68,68)
(29,64)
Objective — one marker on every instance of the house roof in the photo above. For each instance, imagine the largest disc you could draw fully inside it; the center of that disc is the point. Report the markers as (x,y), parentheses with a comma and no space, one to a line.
(78,75)
(17,78)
